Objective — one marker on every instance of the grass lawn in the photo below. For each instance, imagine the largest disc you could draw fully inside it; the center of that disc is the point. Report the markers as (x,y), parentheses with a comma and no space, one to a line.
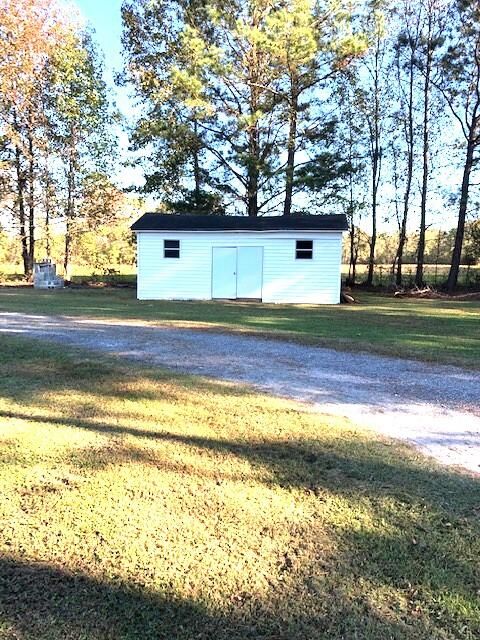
(140,504)
(433,330)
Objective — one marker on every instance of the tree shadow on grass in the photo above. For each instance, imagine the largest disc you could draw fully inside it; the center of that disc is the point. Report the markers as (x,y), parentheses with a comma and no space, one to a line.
(41,601)
(44,602)
(345,466)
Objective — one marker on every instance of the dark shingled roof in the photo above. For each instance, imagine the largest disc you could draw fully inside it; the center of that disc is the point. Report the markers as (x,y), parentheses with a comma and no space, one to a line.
(172,222)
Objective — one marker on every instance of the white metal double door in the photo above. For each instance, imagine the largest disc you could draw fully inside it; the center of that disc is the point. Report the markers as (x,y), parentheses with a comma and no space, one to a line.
(237,272)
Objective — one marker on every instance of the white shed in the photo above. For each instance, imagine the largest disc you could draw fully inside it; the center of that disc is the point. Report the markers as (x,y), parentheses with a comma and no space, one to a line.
(271,258)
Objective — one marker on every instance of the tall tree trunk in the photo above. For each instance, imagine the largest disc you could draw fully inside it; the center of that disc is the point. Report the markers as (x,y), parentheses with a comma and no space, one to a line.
(425,158)
(462,213)
(291,144)
(397,213)
(47,207)
(437,252)
(70,209)
(253,132)
(400,249)
(68,225)
(375,157)
(253,150)
(253,172)
(353,259)
(373,238)
(252,194)
(20,202)
(354,263)
(196,172)
(375,183)
(408,185)
(372,243)
(20,197)
(352,267)
(31,195)
(48,238)
(196,176)
(67,250)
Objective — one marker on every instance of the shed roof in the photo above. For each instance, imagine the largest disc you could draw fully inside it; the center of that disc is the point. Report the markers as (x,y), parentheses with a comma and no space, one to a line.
(174,222)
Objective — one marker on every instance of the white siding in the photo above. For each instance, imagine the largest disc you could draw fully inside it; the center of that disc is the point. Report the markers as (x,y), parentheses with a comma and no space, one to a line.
(285,279)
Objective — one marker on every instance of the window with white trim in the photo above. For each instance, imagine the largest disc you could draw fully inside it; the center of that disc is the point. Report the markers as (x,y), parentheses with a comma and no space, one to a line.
(171,248)
(304,250)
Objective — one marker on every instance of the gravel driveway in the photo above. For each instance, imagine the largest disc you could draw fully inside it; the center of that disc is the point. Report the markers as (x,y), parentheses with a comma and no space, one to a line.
(435,407)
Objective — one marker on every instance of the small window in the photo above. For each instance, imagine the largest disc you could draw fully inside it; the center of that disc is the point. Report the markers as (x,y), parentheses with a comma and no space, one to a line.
(304,250)
(171,248)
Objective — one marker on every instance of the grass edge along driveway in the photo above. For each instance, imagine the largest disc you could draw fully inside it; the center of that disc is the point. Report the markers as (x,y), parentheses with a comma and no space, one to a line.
(445,332)
(135,503)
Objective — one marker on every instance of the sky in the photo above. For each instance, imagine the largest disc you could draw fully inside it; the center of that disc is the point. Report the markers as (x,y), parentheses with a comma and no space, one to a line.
(105,18)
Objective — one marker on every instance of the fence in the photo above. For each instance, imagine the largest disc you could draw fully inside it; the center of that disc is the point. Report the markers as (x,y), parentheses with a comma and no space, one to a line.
(434,275)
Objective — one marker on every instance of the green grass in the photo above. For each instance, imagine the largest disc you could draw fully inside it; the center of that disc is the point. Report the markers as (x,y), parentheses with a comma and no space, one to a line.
(139,504)
(432,330)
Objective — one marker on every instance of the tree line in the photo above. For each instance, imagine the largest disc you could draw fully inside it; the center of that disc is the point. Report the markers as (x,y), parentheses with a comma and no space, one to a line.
(306,107)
